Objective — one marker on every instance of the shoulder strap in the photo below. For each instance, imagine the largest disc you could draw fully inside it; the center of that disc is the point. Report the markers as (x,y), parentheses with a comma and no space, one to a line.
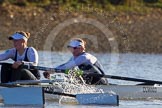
(15,58)
(98,68)
(26,55)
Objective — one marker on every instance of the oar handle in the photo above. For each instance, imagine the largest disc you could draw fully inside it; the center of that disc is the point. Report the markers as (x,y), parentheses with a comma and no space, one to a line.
(40,68)
(52,70)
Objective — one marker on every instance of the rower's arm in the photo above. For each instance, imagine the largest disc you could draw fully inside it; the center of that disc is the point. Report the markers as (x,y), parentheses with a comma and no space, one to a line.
(72,63)
(7,54)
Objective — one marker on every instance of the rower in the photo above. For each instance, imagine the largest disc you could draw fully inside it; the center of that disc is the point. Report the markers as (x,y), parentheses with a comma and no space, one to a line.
(84,61)
(21,54)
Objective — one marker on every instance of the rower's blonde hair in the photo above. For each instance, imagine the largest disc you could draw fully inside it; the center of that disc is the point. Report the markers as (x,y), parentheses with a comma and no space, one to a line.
(26,34)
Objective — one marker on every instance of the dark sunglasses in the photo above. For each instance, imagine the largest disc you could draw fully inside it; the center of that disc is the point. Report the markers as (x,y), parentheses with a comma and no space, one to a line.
(73,47)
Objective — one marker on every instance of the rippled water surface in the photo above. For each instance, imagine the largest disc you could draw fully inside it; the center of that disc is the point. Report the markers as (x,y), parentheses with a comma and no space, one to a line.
(146,66)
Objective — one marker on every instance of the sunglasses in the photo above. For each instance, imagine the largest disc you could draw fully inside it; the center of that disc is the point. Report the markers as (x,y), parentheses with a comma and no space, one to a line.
(73,47)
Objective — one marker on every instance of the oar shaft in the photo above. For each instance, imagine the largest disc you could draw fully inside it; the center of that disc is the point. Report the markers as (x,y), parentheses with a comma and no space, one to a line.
(51,70)
(133,79)
(59,93)
(7,85)
(49,92)
(127,78)
(42,68)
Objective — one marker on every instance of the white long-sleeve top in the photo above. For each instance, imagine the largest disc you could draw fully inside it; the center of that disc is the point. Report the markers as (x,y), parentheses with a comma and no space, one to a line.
(32,56)
(84,58)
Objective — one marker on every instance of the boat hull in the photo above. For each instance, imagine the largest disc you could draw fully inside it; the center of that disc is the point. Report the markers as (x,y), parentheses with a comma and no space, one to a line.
(134,92)
(125,92)
(130,92)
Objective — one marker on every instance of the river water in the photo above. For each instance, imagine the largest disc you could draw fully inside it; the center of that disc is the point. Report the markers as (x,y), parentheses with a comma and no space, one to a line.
(145,66)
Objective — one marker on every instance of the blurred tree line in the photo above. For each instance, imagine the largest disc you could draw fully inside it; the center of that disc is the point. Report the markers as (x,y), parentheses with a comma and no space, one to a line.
(134,31)
(103,3)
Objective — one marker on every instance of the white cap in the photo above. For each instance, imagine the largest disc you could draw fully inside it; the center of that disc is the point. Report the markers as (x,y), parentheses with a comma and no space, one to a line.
(75,43)
(18,36)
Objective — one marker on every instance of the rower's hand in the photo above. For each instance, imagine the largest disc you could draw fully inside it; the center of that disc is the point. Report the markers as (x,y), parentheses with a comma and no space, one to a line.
(46,74)
(17,64)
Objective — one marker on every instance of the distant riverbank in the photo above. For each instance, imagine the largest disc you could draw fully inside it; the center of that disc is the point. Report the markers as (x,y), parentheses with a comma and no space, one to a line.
(104,31)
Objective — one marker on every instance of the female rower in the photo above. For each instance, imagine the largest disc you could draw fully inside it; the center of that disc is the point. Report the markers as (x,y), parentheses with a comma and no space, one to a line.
(22,55)
(84,61)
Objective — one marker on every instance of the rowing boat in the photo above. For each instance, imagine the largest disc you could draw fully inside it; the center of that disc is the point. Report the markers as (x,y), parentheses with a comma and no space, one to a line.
(61,82)
(130,92)
(125,92)
(134,92)
(17,93)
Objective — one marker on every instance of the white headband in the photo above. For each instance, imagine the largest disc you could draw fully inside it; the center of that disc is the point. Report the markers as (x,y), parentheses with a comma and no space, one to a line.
(18,36)
(75,43)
